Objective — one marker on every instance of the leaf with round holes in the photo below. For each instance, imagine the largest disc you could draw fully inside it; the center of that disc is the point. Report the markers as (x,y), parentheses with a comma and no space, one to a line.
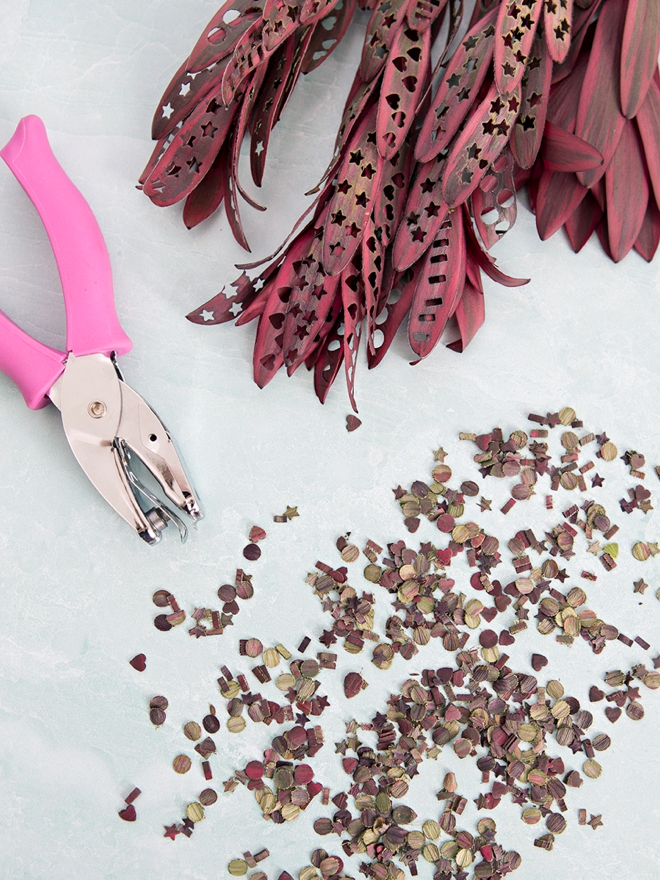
(494,200)
(222,33)
(404,80)
(535,93)
(514,33)
(458,89)
(399,297)
(482,140)
(439,285)
(331,353)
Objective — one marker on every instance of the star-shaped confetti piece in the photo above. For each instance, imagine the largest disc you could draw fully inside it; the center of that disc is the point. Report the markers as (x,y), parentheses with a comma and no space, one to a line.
(654,548)
(290,512)
(594,547)
(640,586)
(595,821)
(602,438)
(484,504)
(439,454)
(230,784)
(171,831)
(597,480)
(645,505)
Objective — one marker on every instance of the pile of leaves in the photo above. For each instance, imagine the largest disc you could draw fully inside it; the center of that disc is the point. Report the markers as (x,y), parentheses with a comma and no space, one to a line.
(423,180)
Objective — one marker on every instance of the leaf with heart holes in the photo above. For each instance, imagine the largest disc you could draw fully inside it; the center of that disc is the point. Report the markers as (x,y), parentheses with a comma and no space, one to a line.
(404,80)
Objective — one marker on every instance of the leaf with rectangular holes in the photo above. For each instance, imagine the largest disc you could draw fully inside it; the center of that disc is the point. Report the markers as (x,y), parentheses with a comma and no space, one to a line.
(484,137)
(439,285)
(458,89)
(535,93)
(404,80)
(514,34)
(357,180)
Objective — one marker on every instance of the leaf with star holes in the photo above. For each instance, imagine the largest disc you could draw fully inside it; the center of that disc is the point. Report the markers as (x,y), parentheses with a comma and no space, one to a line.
(222,33)
(248,302)
(422,13)
(404,80)
(353,310)
(535,93)
(439,285)
(209,192)
(399,296)
(494,200)
(470,314)
(268,107)
(557,25)
(384,24)
(329,29)
(484,137)
(458,89)
(191,152)
(514,34)
(268,356)
(357,179)
(423,214)
(599,119)
(282,17)
(182,95)
(639,53)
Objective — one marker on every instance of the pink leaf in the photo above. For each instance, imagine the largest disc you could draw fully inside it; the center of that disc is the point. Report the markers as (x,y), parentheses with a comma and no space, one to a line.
(514,34)
(648,121)
(599,118)
(423,215)
(557,22)
(383,26)
(583,222)
(562,151)
(557,197)
(649,235)
(528,128)
(327,35)
(470,314)
(639,53)
(626,193)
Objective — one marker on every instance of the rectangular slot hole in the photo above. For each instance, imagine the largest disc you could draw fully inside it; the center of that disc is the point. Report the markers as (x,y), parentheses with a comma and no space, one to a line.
(437,279)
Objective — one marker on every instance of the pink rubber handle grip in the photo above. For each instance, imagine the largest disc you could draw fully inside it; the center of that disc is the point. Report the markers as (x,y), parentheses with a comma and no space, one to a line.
(33,366)
(77,242)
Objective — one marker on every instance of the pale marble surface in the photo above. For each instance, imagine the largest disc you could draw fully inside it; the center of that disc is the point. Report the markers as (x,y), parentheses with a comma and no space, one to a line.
(76,585)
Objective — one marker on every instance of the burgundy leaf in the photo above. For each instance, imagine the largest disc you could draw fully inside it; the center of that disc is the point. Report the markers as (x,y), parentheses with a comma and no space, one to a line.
(182,95)
(439,286)
(562,151)
(268,106)
(312,11)
(248,54)
(330,356)
(557,19)
(626,193)
(458,89)
(601,231)
(494,205)
(422,13)
(557,197)
(223,32)
(327,35)
(404,80)
(373,265)
(383,26)
(191,153)
(357,180)
(648,121)
(565,96)
(599,118)
(282,18)
(649,235)
(399,298)
(231,207)
(423,215)
(240,127)
(583,221)
(482,140)
(478,258)
(470,314)
(208,194)
(528,129)
(514,34)
(639,53)
(390,198)
(353,303)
